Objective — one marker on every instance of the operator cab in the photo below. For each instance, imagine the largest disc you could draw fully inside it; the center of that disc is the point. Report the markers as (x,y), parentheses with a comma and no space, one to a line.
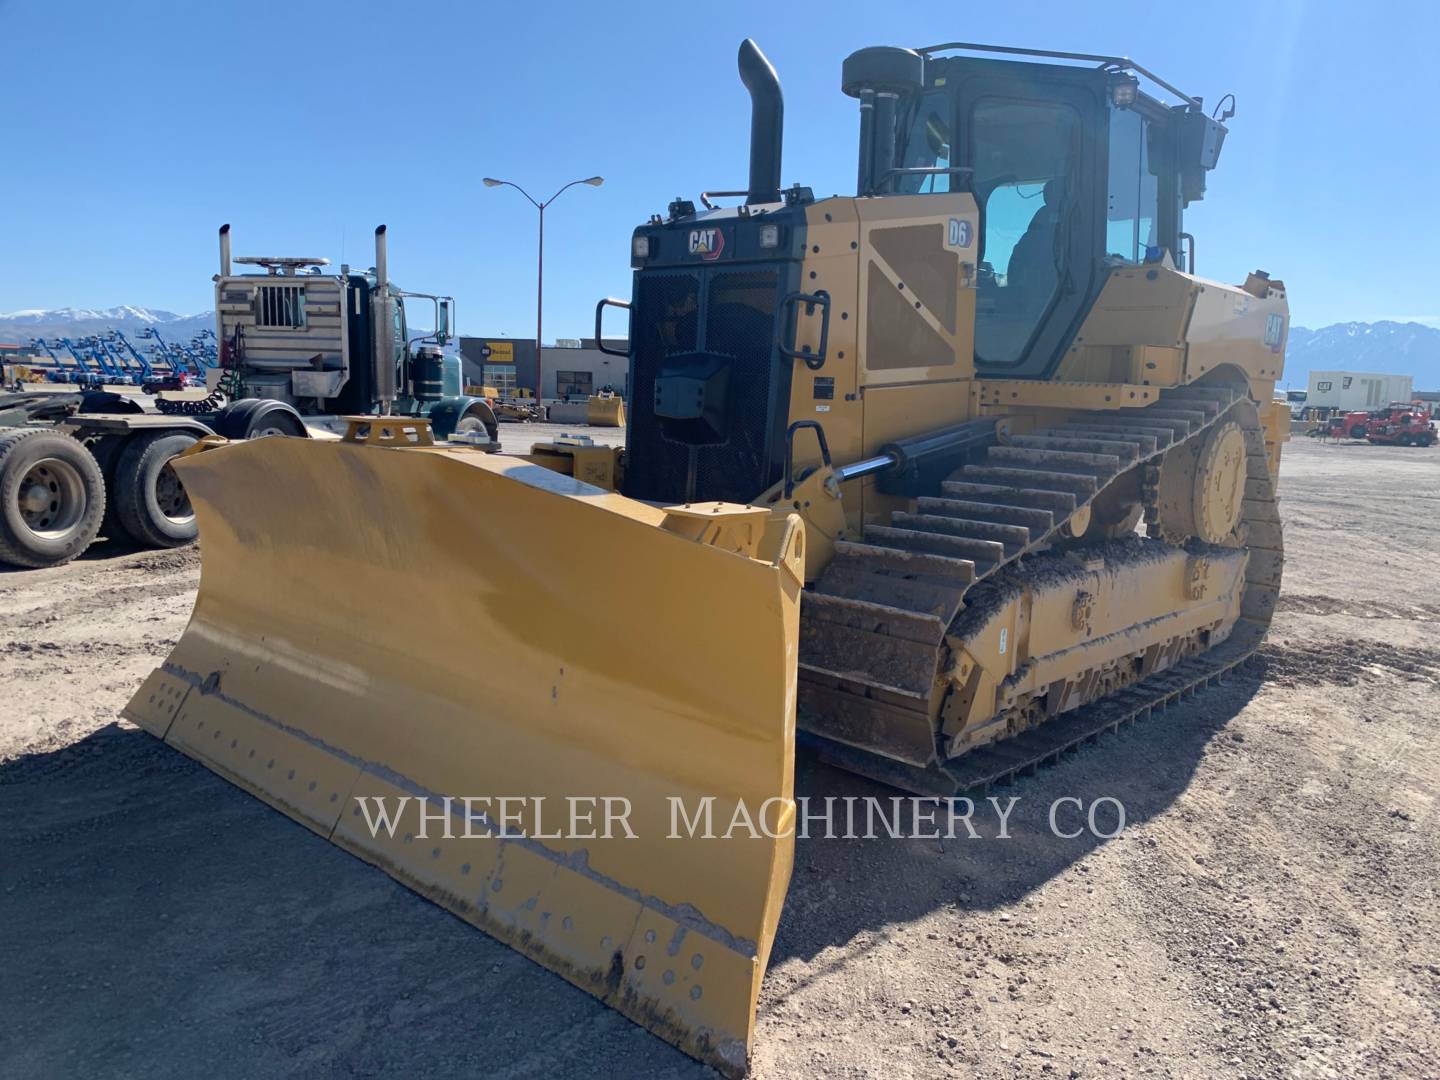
(1074,170)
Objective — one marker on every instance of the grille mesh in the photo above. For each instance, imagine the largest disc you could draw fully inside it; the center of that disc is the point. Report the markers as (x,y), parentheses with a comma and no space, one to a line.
(739,323)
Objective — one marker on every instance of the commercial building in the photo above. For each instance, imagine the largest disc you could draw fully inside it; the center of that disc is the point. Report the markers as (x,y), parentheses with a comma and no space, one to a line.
(571,368)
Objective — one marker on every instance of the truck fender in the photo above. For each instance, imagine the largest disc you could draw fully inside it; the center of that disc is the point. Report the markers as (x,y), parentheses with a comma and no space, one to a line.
(446,414)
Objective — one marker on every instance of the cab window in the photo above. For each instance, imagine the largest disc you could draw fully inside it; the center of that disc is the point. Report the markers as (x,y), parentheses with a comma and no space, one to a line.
(1024,156)
(399,335)
(927,146)
(1133,191)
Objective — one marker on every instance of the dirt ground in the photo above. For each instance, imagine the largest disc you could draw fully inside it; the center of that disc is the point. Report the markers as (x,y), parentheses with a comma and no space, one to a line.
(1270,910)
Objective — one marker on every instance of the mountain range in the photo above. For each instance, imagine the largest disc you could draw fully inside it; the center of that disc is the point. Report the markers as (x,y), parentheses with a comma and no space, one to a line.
(19,327)
(1403,348)
(1407,348)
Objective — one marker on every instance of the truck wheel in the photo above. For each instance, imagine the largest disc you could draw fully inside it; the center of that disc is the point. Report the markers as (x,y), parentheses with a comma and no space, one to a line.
(1358,431)
(52,498)
(479,419)
(150,502)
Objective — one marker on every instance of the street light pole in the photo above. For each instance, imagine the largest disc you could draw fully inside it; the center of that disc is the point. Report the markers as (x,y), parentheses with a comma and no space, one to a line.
(593,181)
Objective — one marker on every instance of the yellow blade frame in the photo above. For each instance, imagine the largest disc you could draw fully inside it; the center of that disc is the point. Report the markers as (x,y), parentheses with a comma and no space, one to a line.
(433,622)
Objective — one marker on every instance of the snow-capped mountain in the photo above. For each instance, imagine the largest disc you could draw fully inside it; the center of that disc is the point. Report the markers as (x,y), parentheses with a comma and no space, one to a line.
(1407,348)
(21,326)
(123,313)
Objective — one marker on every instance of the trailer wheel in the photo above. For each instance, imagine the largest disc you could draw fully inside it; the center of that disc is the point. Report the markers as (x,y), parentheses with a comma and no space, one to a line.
(52,498)
(150,502)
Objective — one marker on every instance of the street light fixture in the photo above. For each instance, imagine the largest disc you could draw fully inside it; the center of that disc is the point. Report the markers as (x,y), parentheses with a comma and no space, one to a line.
(593,181)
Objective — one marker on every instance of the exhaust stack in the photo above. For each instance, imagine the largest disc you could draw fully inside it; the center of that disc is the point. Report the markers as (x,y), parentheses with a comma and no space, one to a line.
(224,250)
(767,123)
(382,276)
(384,327)
(879,77)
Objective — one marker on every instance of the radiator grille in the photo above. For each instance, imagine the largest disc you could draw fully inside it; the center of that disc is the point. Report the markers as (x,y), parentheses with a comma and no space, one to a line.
(280,305)
(730,313)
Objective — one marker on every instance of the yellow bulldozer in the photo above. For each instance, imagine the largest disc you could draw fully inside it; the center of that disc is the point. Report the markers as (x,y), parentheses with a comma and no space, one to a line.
(945,476)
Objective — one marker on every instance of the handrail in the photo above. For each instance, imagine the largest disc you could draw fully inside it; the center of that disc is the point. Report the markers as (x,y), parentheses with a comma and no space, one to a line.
(1123,62)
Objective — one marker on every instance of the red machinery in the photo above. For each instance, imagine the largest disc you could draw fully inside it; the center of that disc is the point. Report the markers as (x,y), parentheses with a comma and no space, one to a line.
(1398,424)
(1401,425)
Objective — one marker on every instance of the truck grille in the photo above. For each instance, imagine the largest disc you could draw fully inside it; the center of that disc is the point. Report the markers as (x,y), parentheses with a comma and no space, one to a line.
(280,305)
(732,314)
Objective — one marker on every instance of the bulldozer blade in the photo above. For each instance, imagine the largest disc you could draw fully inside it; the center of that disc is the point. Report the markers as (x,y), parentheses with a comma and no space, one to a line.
(407,629)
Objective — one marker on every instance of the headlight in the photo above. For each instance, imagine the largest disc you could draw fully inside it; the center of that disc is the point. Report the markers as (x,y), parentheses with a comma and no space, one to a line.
(769,236)
(1124,88)
(640,245)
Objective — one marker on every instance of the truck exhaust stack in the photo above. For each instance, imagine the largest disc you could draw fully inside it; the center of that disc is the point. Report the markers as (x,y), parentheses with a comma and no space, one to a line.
(384,327)
(224,250)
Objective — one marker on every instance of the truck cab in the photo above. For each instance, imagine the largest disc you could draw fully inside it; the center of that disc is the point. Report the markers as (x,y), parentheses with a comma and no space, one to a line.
(332,344)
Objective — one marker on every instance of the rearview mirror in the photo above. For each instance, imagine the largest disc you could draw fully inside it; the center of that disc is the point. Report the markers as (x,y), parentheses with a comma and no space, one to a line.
(442,330)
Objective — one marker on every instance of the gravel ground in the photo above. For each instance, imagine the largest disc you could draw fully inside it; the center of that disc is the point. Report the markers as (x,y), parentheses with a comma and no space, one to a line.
(1270,909)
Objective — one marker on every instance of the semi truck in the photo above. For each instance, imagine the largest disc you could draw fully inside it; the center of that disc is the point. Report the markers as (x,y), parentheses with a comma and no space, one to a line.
(299,349)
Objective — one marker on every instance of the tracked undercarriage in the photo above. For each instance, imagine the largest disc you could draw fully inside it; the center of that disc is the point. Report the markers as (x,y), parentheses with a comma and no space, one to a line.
(914,658)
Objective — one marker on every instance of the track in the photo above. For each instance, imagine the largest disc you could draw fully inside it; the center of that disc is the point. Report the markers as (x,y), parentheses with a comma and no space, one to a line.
(873,628)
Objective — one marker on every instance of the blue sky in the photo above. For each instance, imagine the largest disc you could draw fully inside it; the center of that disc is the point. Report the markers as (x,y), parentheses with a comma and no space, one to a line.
(131,131)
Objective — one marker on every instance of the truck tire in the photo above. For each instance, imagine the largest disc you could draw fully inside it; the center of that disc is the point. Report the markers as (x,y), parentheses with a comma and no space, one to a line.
(479,418)
(52,497)
(253,418)
(150,502)
(447,416)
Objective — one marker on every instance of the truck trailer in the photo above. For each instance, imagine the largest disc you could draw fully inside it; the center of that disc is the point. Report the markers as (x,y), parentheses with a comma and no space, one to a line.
(1356,391)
